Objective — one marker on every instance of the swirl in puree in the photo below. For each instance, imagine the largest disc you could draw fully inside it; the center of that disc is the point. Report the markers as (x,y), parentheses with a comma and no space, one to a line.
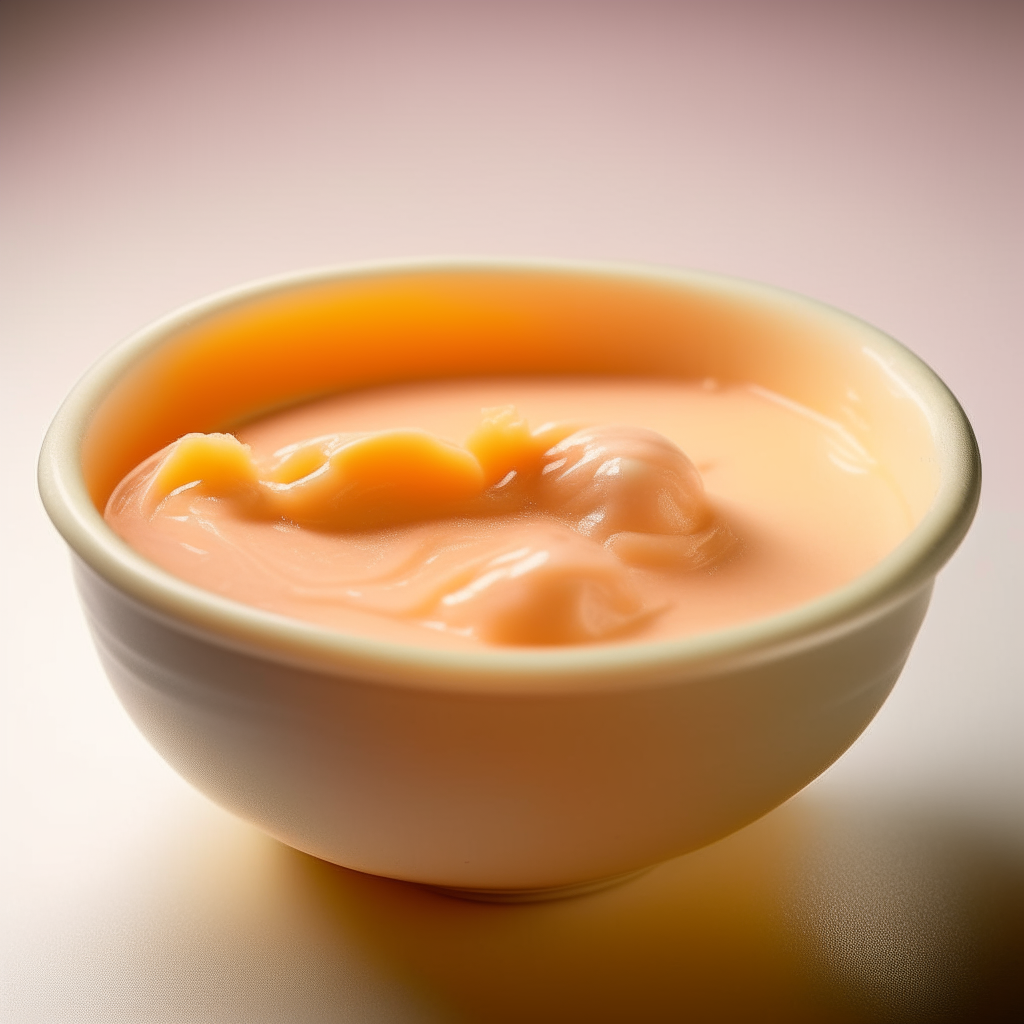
(594,526)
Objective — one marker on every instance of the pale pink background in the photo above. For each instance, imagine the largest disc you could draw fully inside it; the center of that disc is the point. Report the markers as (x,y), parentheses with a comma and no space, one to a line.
(870,154)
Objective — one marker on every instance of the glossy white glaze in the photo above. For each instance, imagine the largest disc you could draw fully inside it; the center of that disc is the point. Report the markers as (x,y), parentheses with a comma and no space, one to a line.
(480,790)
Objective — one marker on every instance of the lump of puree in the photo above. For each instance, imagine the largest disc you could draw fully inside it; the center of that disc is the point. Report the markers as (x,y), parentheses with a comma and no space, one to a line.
(549,521)
(593,526)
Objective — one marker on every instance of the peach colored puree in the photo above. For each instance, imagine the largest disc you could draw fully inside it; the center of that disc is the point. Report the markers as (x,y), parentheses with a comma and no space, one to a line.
(407,513)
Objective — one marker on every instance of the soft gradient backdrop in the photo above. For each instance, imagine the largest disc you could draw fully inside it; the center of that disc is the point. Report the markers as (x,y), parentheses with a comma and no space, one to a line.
(867,153)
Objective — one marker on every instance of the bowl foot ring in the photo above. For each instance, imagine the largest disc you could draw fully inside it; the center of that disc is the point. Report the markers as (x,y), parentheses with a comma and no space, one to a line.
(555,892)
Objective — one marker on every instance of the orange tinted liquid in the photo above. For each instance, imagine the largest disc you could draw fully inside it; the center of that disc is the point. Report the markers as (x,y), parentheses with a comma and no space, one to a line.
(810,508)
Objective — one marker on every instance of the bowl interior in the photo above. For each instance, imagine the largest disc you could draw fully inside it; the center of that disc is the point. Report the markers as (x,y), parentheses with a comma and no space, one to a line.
(227,360)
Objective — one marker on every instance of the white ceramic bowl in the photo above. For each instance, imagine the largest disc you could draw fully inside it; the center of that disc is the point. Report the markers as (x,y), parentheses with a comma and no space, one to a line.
(516,772)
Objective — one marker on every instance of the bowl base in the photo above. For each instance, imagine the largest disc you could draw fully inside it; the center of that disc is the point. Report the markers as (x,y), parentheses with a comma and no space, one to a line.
(555,892)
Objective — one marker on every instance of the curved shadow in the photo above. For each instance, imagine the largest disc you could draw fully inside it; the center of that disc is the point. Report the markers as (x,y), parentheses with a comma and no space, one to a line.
(804,916)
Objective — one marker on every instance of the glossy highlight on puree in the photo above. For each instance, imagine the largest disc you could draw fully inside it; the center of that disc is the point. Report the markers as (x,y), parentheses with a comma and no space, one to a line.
(554,535)
(508,770)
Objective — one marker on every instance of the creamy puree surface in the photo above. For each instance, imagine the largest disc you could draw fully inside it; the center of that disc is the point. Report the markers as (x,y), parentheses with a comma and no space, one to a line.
(792,506)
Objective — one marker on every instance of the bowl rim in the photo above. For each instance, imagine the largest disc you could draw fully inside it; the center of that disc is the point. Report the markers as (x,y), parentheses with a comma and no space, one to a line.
(900,575)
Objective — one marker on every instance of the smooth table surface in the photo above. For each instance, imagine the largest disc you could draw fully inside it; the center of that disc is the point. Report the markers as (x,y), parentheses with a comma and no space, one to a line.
(868,154)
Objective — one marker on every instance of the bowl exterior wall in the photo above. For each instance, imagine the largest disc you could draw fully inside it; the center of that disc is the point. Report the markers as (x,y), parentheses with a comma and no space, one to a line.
(488,790)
